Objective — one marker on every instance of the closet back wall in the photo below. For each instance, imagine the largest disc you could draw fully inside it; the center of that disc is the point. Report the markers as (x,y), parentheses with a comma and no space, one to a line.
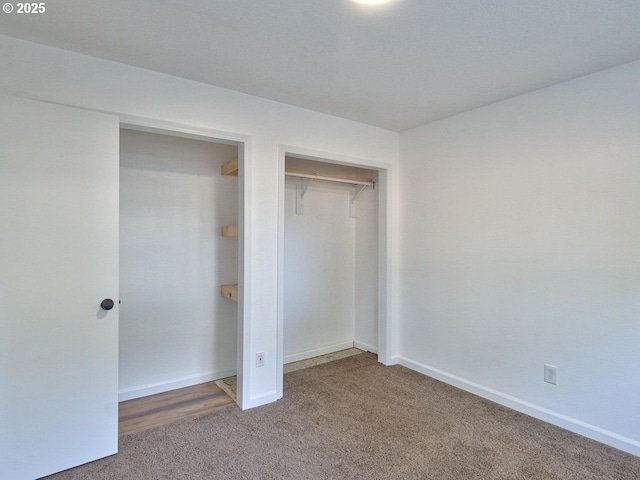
(175,328)
(318,272)
(330,266)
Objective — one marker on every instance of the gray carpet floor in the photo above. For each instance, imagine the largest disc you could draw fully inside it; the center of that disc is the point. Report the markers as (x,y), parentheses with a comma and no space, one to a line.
(229,384)
(356,419)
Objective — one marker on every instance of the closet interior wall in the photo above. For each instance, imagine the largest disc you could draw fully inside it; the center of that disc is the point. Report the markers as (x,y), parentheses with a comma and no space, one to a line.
(175,328)
(330,265)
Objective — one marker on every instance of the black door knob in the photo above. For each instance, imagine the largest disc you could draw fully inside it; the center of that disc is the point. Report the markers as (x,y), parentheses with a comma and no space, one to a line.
(106,304)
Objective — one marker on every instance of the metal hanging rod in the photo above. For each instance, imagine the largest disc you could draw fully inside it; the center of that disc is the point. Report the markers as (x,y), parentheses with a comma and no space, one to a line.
(329,179)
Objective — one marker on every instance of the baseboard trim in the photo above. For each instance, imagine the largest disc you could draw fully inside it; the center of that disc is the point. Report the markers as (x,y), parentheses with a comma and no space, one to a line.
(172,384)
(296,357)
(262,399)
(568,423)
(366,347)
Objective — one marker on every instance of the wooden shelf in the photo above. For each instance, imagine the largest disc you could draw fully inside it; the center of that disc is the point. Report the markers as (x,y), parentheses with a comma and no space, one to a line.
(230,292)
(230,168)
(327,176)
(230,231)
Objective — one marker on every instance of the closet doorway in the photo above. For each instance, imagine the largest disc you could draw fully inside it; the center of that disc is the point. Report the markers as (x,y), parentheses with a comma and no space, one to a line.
(333,249)
(176,329)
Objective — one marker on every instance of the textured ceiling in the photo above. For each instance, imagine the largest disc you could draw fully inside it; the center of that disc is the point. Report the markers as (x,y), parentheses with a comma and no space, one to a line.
(395,66)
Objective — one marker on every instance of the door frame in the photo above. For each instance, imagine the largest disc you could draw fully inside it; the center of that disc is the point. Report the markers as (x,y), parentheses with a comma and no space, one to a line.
(243,142)
(386,337)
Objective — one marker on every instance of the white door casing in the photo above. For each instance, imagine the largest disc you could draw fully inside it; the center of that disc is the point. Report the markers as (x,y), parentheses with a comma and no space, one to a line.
(58,261)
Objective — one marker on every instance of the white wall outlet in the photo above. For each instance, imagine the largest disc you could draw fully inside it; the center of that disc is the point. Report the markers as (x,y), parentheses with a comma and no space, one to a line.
(551,374)
(260,359)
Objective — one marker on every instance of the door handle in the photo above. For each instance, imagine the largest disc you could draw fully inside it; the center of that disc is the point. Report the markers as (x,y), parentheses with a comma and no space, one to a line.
(106,304)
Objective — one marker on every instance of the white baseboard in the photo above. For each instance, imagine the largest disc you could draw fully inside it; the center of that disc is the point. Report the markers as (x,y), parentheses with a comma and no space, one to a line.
(259,400)
(365,347)
(296,357)
(573,425)
(172,384)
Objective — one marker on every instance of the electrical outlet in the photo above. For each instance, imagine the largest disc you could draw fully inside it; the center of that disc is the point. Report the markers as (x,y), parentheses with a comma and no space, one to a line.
(260,359)
(551,374)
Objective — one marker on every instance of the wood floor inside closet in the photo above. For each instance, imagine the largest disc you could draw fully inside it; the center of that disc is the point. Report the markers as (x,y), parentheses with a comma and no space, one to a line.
(148,412)
(164,408)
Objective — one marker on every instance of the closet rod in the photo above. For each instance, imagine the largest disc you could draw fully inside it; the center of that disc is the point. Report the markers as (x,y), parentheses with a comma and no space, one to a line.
(329,179)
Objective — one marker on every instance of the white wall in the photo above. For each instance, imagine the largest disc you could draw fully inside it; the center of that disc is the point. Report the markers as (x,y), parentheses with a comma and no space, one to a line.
(366,269)
(34,71)
(330,293)
(318,272)
(520,238)
(175,329)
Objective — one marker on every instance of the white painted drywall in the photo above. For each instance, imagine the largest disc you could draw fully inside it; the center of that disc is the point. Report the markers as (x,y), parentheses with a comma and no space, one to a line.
(35,71)
(366,293)
(330,264)
(175,329)
(319,280)
(520,234)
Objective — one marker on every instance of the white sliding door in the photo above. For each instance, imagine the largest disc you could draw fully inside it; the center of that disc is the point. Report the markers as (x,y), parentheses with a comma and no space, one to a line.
(58,261)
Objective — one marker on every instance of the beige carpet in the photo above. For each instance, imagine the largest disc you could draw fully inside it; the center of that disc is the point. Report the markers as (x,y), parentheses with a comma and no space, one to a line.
(356,419)
(230,384)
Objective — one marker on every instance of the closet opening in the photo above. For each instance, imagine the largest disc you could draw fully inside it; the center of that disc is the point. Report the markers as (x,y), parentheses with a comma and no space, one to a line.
(333,249)
(179,245)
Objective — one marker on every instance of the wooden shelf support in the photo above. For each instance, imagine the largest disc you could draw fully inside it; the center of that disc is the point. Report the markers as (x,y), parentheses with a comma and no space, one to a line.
(358,183)
(230,292)
(331,177)
(230,168)
(230,231)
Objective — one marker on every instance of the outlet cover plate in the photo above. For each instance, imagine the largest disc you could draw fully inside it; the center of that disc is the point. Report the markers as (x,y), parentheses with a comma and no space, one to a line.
(551,374)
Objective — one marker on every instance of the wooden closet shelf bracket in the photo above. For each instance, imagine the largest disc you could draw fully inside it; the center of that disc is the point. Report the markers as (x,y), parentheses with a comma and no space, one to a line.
(358,183)
(230,292)
(230,231)
(230,168)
